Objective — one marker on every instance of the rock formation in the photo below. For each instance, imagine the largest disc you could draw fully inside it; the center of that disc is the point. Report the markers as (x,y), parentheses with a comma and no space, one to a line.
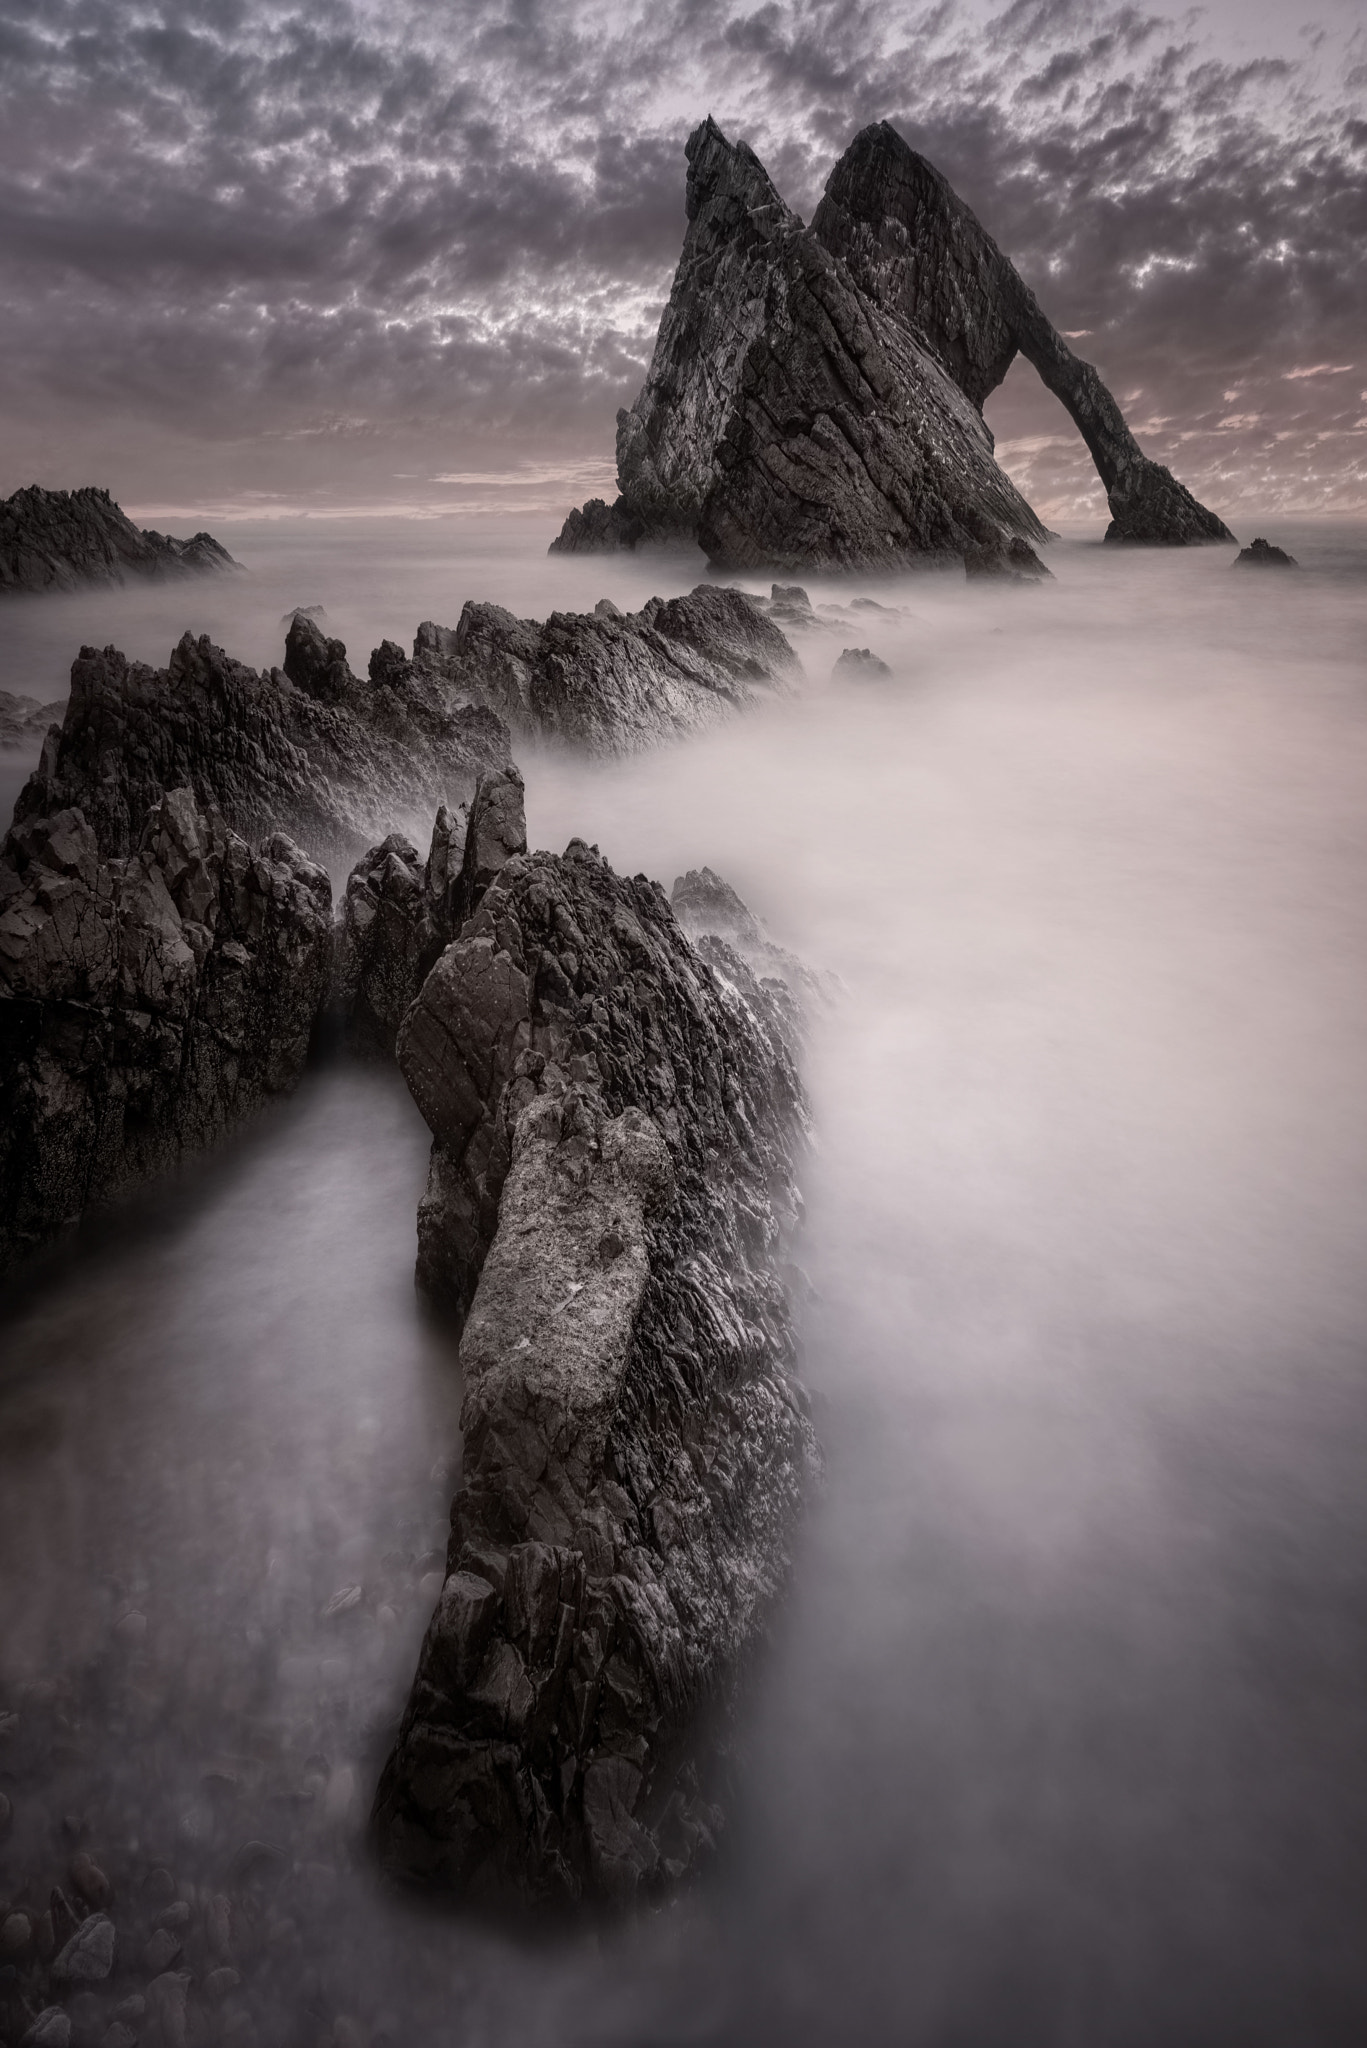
(147,1003)
(859,665)
(24,721)
(616,1122)
(605,681)
(311,749)
(399,914)
(1260,554)
(815,395)
(58,540)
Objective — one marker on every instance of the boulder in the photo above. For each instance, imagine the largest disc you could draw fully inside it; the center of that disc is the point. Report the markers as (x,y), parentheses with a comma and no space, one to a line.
(58,540)
(147,1003)
(608,682)
(617,1123)
(311,749)
(859,665)
(815,395)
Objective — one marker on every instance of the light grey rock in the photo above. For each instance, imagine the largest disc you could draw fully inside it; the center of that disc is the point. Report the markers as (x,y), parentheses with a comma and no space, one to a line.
(617,1123)
(59,540)
(608,682)
(147,1004)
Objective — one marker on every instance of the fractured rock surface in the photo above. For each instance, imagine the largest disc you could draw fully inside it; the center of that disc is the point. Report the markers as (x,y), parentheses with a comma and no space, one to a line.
(58,540)
(815,395)
(609,682)
(312,748)
(147,1003)
(617,1121)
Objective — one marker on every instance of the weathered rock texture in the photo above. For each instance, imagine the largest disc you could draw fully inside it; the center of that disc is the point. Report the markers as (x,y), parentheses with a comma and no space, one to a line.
(311,749)
(58,540)
(607,681)
(617,1121)
(147,1003)
(815,396)
(400,913)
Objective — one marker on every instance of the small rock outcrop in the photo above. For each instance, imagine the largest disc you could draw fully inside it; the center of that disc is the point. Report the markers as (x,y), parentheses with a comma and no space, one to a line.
(59,540)
(815,395)
(147,1003)
(311,748)
(1261,554)
(399,913)
(608,682)
(617,1120)
(24,721)
(859,665)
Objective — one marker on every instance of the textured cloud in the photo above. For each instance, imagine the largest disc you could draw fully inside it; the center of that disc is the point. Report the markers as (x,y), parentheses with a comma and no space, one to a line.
(348,252)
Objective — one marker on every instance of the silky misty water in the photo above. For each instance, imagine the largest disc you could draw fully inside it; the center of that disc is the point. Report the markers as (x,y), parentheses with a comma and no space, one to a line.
(1062,1737)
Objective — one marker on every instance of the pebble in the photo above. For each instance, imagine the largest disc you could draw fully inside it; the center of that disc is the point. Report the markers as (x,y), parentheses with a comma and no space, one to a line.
(342,1602)
(90,1881)
(218,1926)
(88,1956)
(51,2029)
(161,1951)
(166,1996)
(158,1887)
(16,1936)
(219,1983)
(117,2035)
(6,1815)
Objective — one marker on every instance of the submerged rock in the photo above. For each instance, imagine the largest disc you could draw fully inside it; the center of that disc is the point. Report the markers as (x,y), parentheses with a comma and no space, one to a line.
(607,681)
(617,1121)
(1260,554)
(147,1003)
(58,540)
(311,749)
(815,395)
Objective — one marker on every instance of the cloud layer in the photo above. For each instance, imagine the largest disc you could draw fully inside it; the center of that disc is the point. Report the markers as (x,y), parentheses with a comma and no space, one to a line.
(254,253)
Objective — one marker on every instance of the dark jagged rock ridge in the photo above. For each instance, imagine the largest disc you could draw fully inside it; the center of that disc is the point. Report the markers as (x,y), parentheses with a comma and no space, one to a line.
(788,420)
(147,1003)
(607,681)
(815,396)
(400,913)
(312,749)
(616,1124)
(58,540)
(913,248)
(24,721)
(1261,554)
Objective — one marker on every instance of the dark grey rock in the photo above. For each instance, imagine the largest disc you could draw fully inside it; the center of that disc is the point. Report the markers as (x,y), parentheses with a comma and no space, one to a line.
(815,395)
(90,1881)
(162,1948)
(270,753)
(146,1004)
(51,2029)
(58,540)
(608,682)
(859,665)
(617,1121)
(399,914)
(88,1957)
(1260,554)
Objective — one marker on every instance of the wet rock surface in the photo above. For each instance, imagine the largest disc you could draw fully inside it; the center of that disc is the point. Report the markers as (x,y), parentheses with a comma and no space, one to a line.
(1261,554)
(310,749)
(608,682)
(59,540)
(815,395)
(617,1121)
(147,1003)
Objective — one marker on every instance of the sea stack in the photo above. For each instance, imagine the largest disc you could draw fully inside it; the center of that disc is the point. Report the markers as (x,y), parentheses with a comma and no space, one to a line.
(815,396)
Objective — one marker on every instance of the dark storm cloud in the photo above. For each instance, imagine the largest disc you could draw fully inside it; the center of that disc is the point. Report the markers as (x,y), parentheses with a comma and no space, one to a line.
(244,220)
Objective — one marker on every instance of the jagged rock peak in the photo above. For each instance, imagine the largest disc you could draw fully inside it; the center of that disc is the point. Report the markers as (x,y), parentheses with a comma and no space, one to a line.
(57,540)
(814,398)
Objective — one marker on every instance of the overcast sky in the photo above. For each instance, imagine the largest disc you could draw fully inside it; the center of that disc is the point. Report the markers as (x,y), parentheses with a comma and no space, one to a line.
(413,253)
